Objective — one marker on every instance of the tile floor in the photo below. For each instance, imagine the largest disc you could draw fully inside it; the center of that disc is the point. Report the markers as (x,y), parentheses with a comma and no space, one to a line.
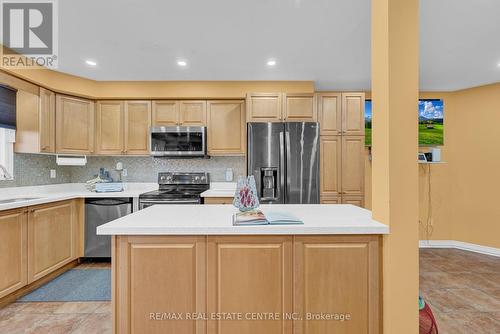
(463,290)
(58,317)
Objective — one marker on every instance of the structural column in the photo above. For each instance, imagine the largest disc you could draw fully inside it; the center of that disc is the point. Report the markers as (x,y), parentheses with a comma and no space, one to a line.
(395,40)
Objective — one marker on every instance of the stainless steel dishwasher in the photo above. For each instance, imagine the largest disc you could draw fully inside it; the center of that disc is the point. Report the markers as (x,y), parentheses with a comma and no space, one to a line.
(100,211)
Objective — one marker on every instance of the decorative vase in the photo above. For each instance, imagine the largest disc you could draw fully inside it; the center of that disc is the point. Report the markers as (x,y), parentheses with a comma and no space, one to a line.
(246,198)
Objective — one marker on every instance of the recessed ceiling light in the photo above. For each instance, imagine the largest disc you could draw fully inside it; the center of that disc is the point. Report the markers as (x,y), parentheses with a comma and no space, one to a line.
(182,63)
(271,62)
(91,62)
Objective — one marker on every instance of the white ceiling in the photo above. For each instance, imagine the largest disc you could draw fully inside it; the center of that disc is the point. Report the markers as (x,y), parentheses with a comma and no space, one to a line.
(327,41)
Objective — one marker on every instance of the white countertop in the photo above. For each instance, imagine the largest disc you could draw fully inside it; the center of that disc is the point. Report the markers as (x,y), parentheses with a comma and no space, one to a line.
(220,189)
(217,220)
(59,192)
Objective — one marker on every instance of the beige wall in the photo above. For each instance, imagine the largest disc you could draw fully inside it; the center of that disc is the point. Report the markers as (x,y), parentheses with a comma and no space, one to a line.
(464,202)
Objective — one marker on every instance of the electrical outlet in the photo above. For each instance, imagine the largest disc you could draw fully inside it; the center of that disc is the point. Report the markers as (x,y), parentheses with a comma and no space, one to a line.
(124,172)
(53,174)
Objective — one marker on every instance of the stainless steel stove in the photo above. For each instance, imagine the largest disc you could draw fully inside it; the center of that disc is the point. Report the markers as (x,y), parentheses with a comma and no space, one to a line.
(176,188)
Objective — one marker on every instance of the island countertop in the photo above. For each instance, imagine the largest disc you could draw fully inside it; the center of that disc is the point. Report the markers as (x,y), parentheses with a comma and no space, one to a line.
(217,220)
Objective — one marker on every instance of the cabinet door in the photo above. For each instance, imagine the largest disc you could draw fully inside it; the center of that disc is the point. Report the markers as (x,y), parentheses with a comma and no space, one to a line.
(300,108)
(159,274)
(226,128)
(250,275)
(353,165)
(13,251)
(336,275)
(353,114)
(47,121)
(27,122)
(264,107)
(52,238)
(74,125)
(166,113)
(354,200)
(330,113)
(330,166)
(109,127)
(137,124)
(193,113)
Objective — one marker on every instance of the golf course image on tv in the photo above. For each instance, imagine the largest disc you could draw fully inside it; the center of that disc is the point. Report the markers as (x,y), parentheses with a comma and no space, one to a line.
(430,122)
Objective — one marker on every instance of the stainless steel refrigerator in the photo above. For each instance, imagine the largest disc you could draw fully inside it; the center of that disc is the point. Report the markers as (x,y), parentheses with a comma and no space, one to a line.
(284,159)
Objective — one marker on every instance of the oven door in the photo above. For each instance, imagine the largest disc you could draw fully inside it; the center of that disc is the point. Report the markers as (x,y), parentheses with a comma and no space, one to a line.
(178,141)
(145,203)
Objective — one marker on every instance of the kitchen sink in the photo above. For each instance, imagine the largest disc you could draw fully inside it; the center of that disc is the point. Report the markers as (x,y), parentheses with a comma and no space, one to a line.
(19,199)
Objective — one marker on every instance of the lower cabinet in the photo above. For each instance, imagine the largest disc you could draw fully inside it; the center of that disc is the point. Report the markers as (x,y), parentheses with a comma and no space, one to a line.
(336,277)
(250,276)
(52,238)
(246,284)
(158,275)
(218,200)
(13,250)
(35,241)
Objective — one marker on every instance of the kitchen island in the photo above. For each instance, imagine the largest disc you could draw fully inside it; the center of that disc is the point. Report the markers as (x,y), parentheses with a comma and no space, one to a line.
(186,269)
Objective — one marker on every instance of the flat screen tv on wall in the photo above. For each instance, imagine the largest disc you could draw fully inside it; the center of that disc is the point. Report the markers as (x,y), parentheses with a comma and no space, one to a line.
(430,122)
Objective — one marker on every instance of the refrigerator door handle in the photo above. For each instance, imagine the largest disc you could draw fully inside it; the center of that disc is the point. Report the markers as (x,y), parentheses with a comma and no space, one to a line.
(288,163)
(282,166)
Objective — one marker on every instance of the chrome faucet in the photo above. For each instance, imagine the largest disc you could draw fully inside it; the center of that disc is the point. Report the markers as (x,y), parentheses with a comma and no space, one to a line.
(6,174)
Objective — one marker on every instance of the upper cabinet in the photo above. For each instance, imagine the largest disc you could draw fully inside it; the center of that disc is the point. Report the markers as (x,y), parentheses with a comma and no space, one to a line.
(123,127)
(137,124)
(264,107)
(47,126)
(226,127)
(300,108)
(109,127)
(353,114)
(166,113)
(185,113)
(342,113)
(27,122)
(75,119)
(281,107)
(193,113)
(330,113)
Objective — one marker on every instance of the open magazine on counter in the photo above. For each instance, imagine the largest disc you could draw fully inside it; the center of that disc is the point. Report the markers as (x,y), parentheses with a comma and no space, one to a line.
(257,217)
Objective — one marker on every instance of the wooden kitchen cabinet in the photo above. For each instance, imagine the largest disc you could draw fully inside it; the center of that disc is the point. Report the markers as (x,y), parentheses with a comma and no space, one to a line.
(353,165)
(352,264)
(193,113)
(179,267)
(354,200)
(109,127)
(47,121)
(264,107)
(27,122)
(13,250)
(218,200)
(353,114)
(52,238)
(165,113)
(137,124)
(330,166)
(226,127)
(75,119)
(300,108)
(330,113)
(260,264)
(325,199)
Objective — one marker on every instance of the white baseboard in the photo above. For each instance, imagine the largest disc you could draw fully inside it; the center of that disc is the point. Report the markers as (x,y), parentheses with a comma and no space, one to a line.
(460,245)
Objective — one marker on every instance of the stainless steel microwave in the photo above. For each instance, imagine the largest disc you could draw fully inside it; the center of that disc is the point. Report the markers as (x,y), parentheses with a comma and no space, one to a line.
(178,141)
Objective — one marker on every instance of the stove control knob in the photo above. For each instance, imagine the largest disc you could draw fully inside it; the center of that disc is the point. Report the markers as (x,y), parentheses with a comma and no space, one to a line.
(196,178)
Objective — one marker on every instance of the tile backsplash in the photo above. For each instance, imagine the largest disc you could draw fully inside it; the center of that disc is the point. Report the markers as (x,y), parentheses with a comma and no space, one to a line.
(34,169)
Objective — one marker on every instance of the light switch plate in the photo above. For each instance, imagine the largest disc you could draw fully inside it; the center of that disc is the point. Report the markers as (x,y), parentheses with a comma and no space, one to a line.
(124,172)
(53,174)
